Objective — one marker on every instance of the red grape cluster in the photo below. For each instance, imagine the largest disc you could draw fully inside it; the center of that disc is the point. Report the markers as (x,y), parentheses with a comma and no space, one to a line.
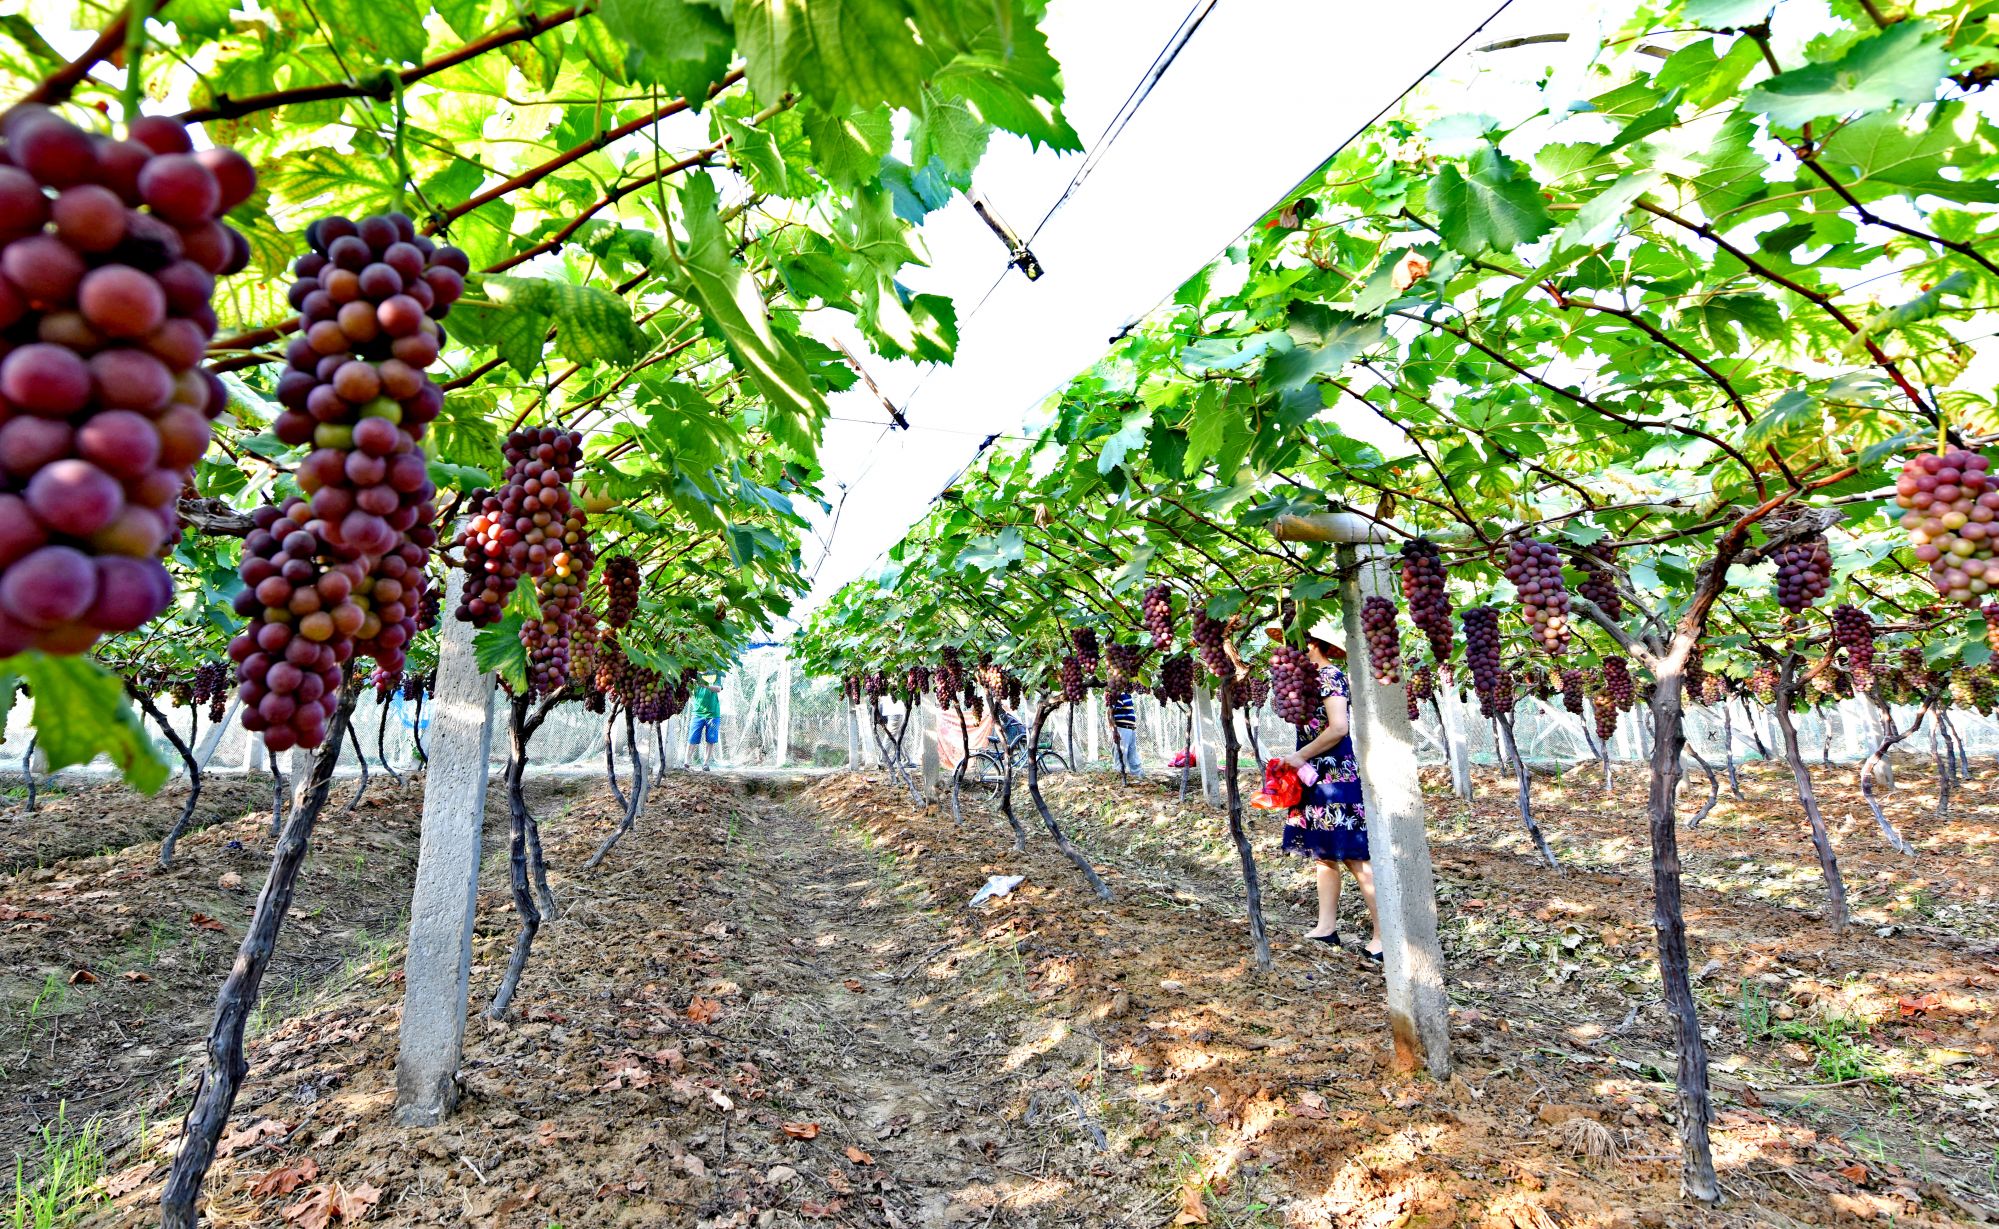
(517,530)
(1991,613)
(916,681)
(1210,640)
(621,584)
(558,590)
(1157,606)
(1010,690)
(1853,630)
(1084,641)
(1176,678)
(1422,685)
(369,295)
(1294,686)
(385,682)
(211,687)
(1804,568)
(950,676)
(1536,571)
(1124,662)
(1917,673)
(1073,689)
(1574,687)
(1606,716)
(1617,683)
(874,684)
(1763,684)
(1429,601)
(1500,703)
(1951,504)
(1599,583)
(1258,690)
(1694,679)
(1482,651)
(850,686)
(430,608)
(1384,640)
(306,610)
(109,250)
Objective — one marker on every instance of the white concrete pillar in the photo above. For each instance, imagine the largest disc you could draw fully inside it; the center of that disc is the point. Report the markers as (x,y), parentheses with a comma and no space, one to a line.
(1207,742)
(1404,883)
(437,968)
(782,683)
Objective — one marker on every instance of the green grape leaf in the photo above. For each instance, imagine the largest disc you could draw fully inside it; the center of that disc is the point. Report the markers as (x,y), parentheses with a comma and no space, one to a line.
(499,649)
(1902,63)
(81,712)
(1497,207)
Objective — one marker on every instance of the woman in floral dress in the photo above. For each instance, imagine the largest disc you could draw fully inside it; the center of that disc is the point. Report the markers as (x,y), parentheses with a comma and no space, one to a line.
(1330,823)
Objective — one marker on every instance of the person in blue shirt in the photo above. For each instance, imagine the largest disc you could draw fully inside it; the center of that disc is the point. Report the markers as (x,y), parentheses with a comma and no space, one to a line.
(1124,725)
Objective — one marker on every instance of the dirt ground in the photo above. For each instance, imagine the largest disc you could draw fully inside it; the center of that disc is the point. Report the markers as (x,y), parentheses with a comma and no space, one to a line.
(776,1008)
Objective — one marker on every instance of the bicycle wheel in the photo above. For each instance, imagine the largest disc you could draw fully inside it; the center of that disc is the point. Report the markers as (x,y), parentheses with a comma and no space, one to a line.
(985,777)
(1048,762)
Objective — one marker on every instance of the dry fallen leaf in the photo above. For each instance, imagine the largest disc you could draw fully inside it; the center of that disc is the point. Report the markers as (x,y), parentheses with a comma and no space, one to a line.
(330,1203)
(1855,1173)
(802,1130)
(858,1157)
(703,1010)
(206,922)
(256,1133)
(1192,1210)
(854,985)
(83,977)
(125,1181)
(817,1210)
(133,975)
(230,881)
(285,1178)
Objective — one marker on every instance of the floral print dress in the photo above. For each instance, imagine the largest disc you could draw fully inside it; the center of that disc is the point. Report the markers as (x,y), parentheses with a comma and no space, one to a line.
(1330,821)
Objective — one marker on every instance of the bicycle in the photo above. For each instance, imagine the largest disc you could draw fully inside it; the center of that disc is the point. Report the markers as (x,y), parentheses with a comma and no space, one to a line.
(984,772)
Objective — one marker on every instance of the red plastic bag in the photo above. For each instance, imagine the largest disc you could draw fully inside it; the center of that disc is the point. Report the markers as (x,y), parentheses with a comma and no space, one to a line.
(1281,790)
(1183,760)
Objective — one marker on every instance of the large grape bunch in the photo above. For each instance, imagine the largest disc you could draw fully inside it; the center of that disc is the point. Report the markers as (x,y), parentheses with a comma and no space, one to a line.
(1294,686)
(1211,641)
(1124,663)
(1618,685)
(1536,571)
(1073,688)
(1950,504)
(1763,684)
(1482,651)
(518,529)
(874,684)
(1916,670)
(1574,690)
(211,687)
(1258,691)
(1384,640)
(1991,613)
(109,250)
(1606,710)
(621,587)
(1176,677)
(1088,650)
(1502,700)
(1853,630)
(1599,583)
(1157,607)
(950,676)
(558,590)
(1425,593)
(1804,569)
(368,295)
(1694,679)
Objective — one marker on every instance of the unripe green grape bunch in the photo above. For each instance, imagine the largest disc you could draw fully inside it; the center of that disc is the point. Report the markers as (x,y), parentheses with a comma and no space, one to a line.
(1950,506)
(109,251)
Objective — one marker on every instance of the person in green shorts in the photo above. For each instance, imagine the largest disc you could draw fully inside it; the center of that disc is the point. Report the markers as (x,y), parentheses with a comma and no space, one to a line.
(704,729)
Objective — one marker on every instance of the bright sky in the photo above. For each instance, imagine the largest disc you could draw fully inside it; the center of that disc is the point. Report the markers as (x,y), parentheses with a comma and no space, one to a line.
(1262,94)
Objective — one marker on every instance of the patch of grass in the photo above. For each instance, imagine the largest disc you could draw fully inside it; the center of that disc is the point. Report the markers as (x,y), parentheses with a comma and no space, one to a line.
(57,1190)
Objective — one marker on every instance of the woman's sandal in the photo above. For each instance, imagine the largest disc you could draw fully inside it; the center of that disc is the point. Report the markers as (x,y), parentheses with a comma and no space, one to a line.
(1333,939)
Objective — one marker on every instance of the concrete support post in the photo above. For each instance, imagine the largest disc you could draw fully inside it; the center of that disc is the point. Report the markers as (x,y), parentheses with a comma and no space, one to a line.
(853,738)
(926,722)
(782,683)
(437,969)
(1404,884)
(1093,717)
(1457,734)
(1207,743)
